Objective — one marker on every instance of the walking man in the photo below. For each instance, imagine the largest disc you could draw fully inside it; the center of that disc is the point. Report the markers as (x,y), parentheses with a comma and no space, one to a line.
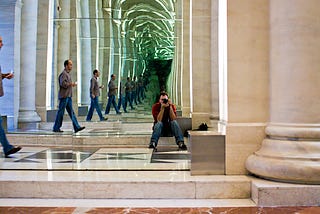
(94,95)
(112,95)
(65,98)
(7,148)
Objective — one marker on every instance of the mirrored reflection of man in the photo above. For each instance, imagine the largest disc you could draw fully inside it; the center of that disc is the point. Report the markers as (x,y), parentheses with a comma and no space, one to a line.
(94,96)
(164,115)
(7,148)
(112,93)
(128,90)
(65,98)
(121,100)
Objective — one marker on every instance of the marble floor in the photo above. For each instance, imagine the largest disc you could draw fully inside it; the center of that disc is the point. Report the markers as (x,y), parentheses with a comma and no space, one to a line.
(93,158)
(161,210)
(45,163)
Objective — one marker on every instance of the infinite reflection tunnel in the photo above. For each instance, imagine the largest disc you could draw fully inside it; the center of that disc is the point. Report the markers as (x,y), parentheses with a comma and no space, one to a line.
(140,39)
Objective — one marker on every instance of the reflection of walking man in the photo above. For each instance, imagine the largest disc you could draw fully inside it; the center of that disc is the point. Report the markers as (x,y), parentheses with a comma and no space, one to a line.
(8,149)
(112,95)
(94,95)
(65,94)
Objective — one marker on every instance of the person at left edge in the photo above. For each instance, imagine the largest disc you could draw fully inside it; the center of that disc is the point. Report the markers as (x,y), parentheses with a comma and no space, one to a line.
(7,148)
(65,99)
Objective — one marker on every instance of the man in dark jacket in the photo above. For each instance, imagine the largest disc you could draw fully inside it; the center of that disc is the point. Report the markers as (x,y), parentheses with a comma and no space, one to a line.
(65,98)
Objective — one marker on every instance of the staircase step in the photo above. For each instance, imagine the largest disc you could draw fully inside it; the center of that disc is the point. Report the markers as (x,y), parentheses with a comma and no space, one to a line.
(121,185)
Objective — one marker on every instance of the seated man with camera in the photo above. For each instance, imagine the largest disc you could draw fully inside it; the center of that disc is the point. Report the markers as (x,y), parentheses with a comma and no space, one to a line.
(164,115)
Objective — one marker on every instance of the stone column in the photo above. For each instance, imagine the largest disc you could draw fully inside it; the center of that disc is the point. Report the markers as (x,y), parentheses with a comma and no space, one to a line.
(185,100)
(214,117)
(176,70)
(27,110)
(291,151)
(42,51)
(62,40)
(201,62)
(85,54)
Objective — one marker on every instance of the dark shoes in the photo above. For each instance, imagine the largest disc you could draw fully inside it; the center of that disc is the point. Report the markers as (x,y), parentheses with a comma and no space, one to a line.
(79,129)
(182,146)
(153,146)
(12,151)
(104,119)
(59,130)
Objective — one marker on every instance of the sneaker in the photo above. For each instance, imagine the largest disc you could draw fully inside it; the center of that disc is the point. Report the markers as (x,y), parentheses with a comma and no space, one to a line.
(59,130)
(182,146)
(12,151)
(104,119)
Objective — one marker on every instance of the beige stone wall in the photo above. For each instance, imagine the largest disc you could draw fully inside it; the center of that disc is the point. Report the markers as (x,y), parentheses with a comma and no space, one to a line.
(248,80)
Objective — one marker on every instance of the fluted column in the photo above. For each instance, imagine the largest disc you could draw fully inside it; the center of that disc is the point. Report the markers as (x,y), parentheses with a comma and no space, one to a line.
(27,110)
(291,151)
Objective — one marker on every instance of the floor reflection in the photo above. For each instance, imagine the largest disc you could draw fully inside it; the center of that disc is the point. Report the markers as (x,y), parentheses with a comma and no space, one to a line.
(166,158)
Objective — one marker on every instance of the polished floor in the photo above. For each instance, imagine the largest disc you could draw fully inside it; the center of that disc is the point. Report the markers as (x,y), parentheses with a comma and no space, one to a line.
(93,158)
(66,160)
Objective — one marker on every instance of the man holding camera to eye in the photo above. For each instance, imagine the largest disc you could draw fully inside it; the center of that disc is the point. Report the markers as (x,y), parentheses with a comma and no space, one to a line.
(164,115)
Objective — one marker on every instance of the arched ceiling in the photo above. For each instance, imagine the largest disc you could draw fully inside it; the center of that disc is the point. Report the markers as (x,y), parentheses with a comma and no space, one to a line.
(146,25)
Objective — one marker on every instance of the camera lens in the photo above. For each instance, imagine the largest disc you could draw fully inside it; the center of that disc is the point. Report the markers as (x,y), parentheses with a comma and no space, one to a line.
(165,100)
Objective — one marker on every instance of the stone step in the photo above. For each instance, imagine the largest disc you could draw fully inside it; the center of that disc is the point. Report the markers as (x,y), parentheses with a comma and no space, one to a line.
(121,185)
(270,193)
(97,139)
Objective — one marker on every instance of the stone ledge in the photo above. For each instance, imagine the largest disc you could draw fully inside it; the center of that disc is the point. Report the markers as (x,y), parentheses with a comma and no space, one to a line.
(269,193)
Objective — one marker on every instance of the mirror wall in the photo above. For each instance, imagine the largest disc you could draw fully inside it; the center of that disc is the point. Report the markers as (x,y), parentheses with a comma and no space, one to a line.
(139,39)
(128,38)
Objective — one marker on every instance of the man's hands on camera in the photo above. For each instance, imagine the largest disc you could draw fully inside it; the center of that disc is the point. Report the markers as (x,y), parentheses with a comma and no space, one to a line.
(165,103)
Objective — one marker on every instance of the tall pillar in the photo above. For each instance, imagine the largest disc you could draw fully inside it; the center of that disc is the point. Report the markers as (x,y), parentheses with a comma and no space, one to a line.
(27,110)
(291,151)
(85,52)
(214,117)
(62,41)
(185,100)
(42,51)
(201,62)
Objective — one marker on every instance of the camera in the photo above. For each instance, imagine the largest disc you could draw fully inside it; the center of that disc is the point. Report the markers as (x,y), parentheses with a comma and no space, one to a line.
(165,101)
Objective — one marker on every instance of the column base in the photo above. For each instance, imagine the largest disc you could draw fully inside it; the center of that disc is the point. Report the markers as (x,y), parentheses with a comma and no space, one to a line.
(287,161)
(28,119)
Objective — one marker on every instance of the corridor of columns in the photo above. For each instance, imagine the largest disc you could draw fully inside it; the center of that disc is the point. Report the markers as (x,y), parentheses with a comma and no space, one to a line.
(218,62)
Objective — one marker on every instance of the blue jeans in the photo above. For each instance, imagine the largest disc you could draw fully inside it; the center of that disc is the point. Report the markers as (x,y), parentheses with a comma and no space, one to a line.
(175,129)
(128,99)
(134,97)
(6,146)
(65,103)
(112,100)
(121,102)
(94,105)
